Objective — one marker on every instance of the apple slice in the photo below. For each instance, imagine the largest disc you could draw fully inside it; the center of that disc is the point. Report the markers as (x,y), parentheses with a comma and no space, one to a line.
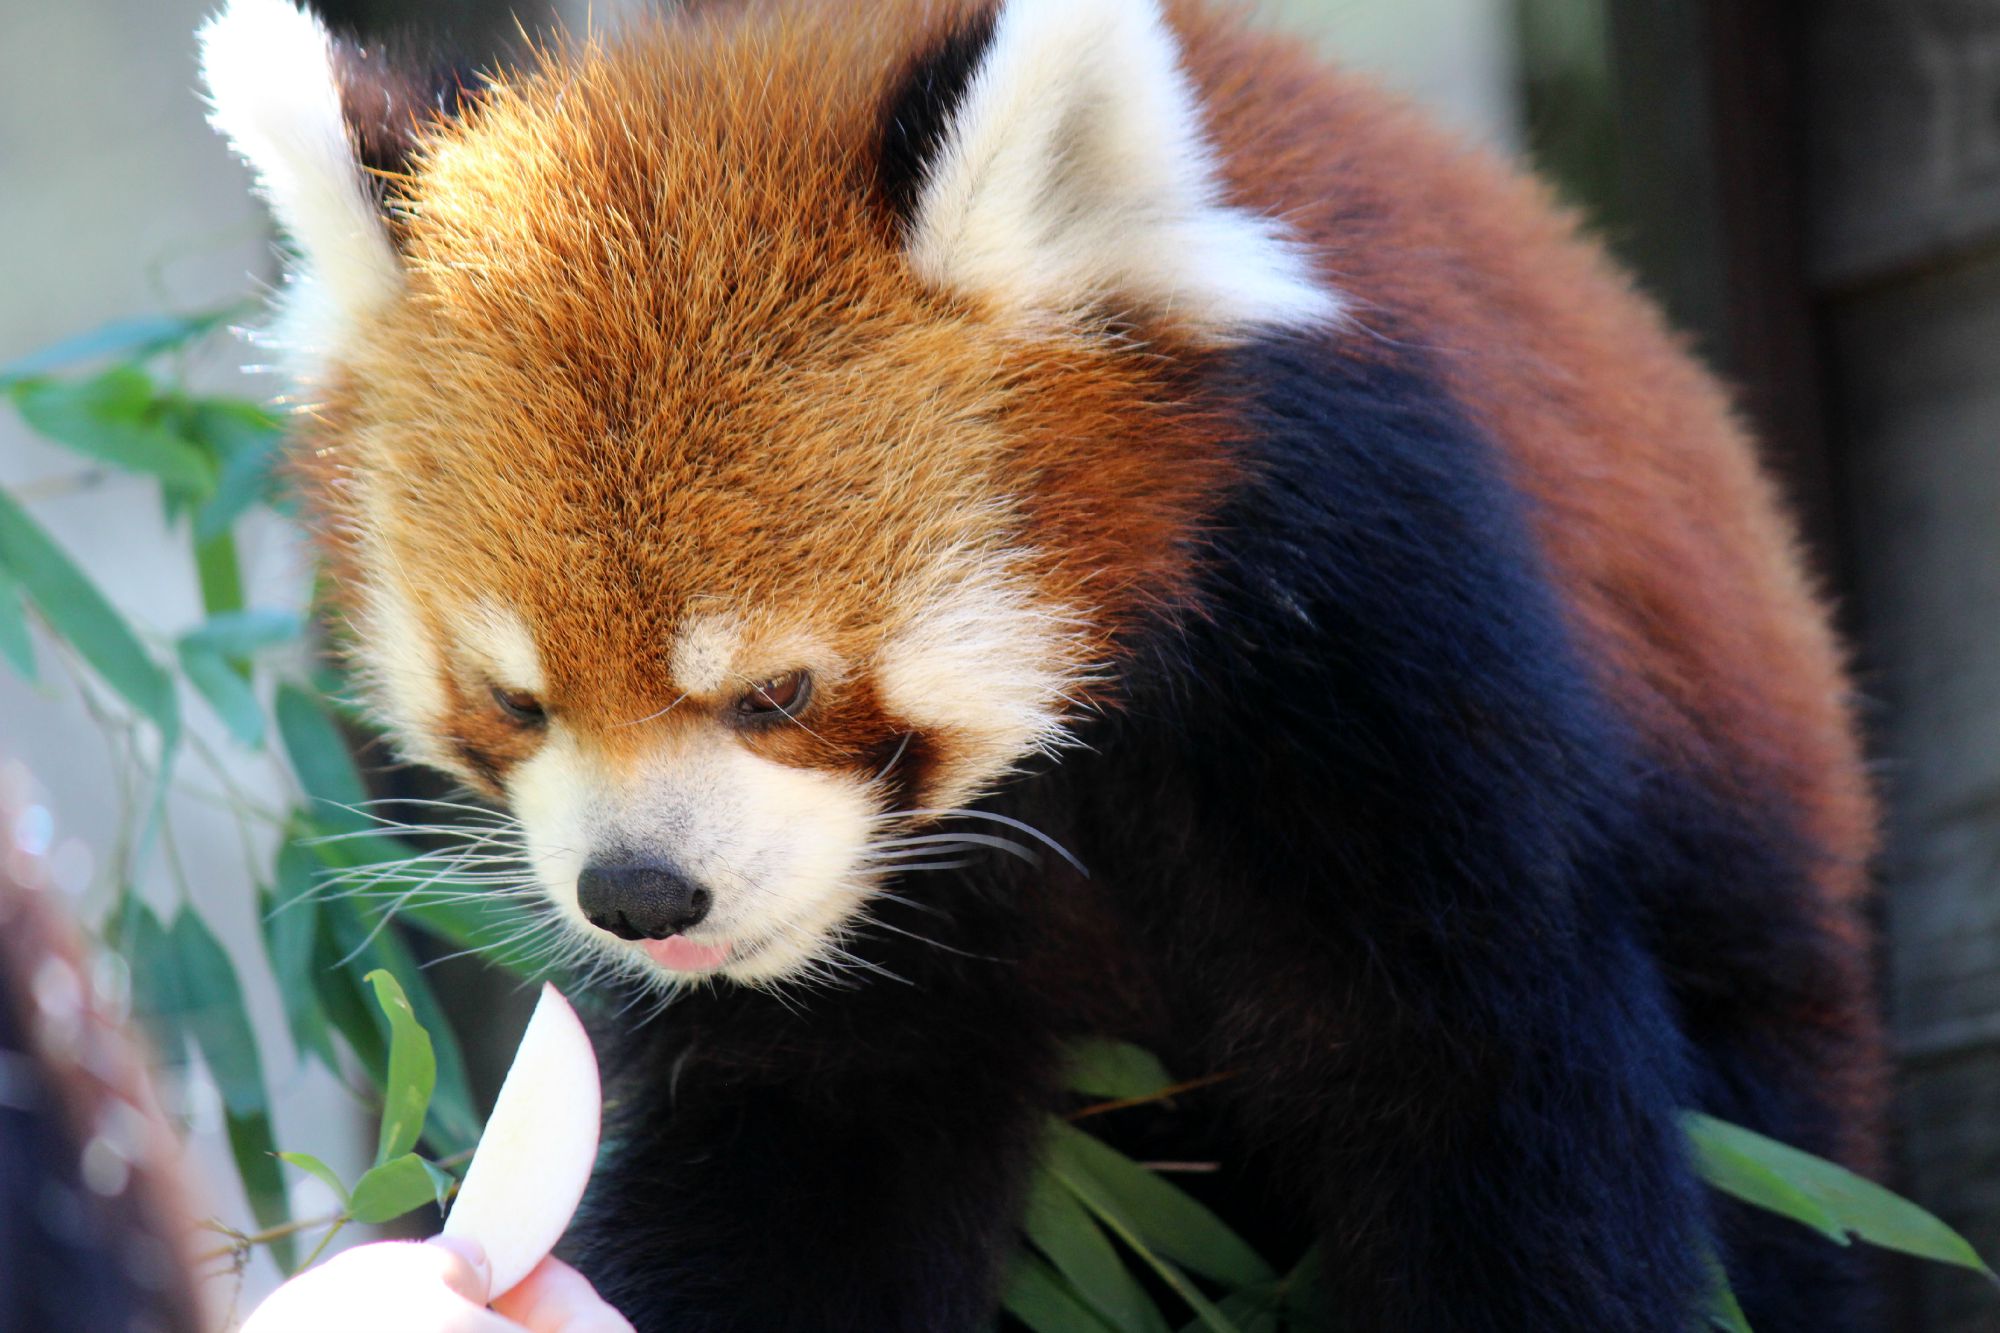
(534,1159)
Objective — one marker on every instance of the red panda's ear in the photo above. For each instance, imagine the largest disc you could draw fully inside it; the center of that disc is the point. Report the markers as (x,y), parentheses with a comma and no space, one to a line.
(1074,174)
(274,86)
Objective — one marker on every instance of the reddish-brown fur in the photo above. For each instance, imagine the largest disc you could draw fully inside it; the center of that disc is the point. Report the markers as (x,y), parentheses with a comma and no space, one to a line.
(661,337)
(667,395)
(1651,506)
(587,344)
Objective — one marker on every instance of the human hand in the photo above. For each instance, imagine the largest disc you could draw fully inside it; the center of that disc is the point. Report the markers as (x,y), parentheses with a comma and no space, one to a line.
(436,1286)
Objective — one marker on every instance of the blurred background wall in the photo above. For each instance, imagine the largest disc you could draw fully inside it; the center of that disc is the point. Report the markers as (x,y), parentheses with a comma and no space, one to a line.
(1813,189)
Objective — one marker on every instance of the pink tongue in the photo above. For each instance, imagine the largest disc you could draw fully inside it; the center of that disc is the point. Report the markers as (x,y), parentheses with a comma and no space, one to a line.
(684,955)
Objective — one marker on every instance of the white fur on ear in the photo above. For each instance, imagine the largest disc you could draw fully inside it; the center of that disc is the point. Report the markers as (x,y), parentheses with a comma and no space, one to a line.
(272,92)
(1076,172)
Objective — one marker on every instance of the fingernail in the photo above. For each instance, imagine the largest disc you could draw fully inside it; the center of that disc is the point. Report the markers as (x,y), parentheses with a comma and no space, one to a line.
(470,1250)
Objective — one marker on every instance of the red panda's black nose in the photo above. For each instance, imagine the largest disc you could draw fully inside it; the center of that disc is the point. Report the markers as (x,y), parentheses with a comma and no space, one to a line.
(640,901)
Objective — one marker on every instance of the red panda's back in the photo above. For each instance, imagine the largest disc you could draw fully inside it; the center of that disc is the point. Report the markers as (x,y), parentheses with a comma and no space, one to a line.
(1676,563)
(1650,503)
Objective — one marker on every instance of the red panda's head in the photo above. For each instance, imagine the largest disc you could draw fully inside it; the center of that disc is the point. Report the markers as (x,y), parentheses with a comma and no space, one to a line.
(737,441)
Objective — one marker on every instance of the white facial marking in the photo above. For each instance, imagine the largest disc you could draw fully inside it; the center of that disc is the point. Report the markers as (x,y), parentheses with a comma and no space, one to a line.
(705,652)
(980,662)
(268,68)
(1077,172)
(779,848)
(400,667)
(496,641)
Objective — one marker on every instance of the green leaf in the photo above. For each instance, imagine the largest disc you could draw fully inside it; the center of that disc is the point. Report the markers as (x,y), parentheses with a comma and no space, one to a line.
(1828,1198)
(113,418)
(342,997)
(246,439)
(1060,1227)
(1115,1070)
(256,1152)
(313,1166)
(75,609)
(1165,1218)
(1723,1311)
(227,692)
(148,950)
(1299,1290)
(463,923)
(406,1096)
(1252,1310)
(161,787)
(138,337)
(15,644)
(319,756)
(246,633)
(454,1124)
(219,573)
(211,999)
(230,427)
(399,1185)
(245,479)
(442,1181)
(1125,1227)
(1037,1296)
(291,928)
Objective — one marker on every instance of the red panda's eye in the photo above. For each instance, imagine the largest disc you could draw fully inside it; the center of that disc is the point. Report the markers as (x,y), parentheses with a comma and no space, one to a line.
(786,695)
(520,705)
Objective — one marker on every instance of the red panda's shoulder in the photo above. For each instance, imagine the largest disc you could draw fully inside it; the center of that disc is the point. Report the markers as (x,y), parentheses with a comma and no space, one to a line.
(1660,525)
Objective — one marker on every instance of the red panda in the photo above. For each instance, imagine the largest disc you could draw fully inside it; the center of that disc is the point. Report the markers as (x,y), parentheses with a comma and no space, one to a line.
(953,525)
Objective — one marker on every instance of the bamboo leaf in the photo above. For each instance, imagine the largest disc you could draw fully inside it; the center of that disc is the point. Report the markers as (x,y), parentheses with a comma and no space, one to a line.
(1038,1297)
(1828,1198)
(319,756)
(1115,1070)
(1165,1218)
(148,950)
(219,573)
(213,1005)
(443,1183)
(226,692)
(256,1152)
(1251,1310)
(454,1124)
(406,1094)
(1724,1313)
(247,440)
(75,609)
(1060,1227)
(1126,1228)
(399,1185)
(15,644)
(313,1166)
(214,1013)
(141,336)
(341,996)
(113,418)
(291,928)
(462,923)
(246,633)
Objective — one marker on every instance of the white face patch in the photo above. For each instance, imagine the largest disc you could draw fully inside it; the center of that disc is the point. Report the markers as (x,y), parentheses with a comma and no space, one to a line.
(987,670)
(1077,173)
(268,68)
(400,668)
(780,849)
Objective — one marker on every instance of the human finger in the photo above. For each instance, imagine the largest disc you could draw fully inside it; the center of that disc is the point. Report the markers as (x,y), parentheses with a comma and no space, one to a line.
(401,1285)
(555,1298)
